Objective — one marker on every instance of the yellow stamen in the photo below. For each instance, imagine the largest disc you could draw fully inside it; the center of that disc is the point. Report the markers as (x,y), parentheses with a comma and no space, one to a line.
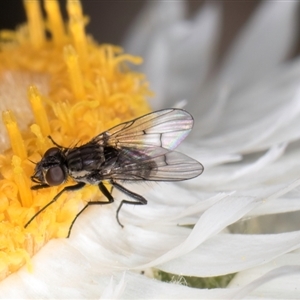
(35,23)
(126,57)
(102,89)
(14,133)
(17,262)
(88,88)
(22,181)
(41,143)
(76,27)
(62,111)
(75,76)
(55,21)
(39,110)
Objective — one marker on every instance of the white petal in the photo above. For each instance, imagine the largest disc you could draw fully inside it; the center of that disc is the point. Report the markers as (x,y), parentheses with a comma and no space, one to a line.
(282,171)
(238,171)
(148,38)
(155,16)
(276,203)
(191,56)
(114,292)
(178,55)
(286,286)
(230,253)
(211,222)
(251,121)
(280,205)
(263,44)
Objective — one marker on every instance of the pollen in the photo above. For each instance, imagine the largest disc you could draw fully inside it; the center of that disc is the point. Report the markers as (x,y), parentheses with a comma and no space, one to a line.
(75,89)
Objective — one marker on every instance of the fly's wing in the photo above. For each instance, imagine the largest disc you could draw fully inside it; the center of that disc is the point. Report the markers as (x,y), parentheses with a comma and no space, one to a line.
(165,128)
(156,164)
(144,148)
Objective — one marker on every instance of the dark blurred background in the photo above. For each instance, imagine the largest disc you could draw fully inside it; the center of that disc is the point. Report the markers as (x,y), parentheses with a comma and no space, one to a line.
(110,19)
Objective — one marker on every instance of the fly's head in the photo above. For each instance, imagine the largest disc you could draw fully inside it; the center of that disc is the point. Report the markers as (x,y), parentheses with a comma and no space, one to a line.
(51,170)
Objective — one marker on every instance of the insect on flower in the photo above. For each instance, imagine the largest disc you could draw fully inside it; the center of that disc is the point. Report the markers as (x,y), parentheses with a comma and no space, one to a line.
(137,150)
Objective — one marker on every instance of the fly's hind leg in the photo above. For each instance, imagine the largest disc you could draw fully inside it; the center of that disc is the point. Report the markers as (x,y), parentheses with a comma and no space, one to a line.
(139,200)
(105,192)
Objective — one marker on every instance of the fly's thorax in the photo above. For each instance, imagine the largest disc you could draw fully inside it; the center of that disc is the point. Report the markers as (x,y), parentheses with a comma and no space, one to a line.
(85,159)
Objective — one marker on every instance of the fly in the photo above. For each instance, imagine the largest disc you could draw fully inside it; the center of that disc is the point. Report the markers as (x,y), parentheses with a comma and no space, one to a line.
(137,150)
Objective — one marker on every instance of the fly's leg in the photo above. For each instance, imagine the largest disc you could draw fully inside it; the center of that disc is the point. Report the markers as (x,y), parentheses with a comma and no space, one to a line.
(54,143)
(40,186)
(75,187)
(111,189)
(105,192)
(80,212)
(139,199)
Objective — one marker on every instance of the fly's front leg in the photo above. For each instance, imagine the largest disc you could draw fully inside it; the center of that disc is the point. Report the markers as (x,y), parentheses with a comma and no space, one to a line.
(40,186)
(54,143)
(140,200)
(75,187)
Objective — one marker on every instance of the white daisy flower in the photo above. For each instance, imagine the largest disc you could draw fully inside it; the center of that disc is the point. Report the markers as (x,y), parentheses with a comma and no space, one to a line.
(239,217)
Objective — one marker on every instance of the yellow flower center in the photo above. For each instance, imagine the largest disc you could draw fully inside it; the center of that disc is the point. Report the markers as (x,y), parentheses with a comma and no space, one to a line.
(84,89)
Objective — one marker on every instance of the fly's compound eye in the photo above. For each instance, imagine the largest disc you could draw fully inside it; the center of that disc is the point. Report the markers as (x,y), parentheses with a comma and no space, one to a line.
(51,151)
(55,176)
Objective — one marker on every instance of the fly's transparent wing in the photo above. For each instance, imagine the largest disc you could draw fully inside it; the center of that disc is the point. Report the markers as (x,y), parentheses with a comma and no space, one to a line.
(143,148)
(165,128)
(157,165)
